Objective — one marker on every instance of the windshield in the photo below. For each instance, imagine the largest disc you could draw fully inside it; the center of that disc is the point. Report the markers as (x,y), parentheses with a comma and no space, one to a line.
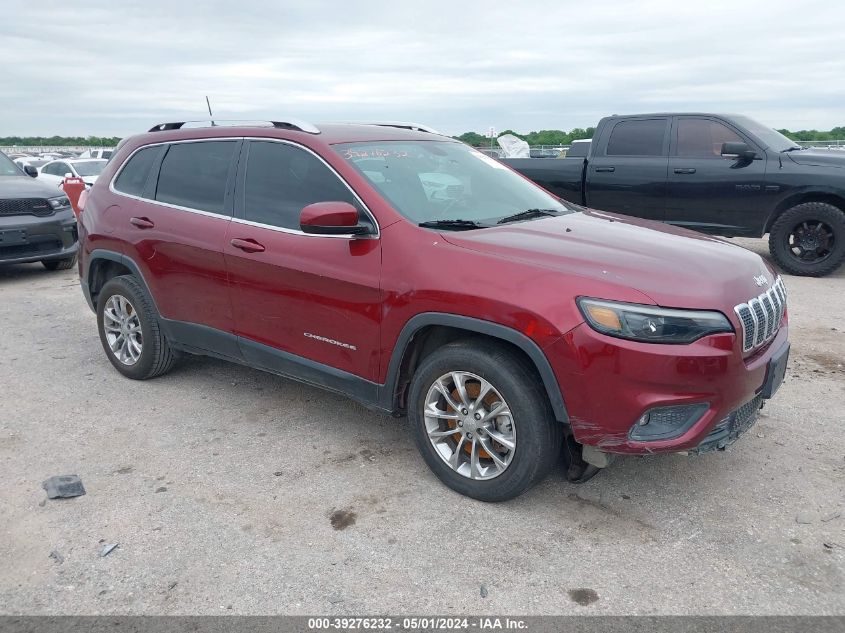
(772,138)
(7,167)
(430,181)
(89,167)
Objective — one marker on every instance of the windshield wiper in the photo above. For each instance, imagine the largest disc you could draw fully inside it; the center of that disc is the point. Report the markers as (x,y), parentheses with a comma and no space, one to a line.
(527,215)
(794,148)
(453,225)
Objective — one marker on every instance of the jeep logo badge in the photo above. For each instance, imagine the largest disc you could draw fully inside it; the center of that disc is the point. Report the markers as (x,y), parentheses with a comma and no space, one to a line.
(760,280)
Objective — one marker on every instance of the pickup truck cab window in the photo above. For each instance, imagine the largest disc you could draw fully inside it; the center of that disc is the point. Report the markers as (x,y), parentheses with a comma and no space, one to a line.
(638,137)
(282,179)
(703,138)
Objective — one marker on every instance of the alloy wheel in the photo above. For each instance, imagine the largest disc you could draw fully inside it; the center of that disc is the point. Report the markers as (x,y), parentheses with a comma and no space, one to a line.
(470,425)
(122,328)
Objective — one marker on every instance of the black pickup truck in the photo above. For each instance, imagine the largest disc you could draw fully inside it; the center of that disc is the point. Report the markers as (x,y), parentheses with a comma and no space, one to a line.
(721,174)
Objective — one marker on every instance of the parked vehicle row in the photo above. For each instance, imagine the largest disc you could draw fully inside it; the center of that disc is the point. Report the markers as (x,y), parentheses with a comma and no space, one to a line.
(724,175)
(420,277)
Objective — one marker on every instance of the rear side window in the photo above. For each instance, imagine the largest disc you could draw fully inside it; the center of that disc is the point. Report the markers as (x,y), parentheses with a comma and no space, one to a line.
(282,179)
(703,138)
(638,137)
(193,175)
(134,174)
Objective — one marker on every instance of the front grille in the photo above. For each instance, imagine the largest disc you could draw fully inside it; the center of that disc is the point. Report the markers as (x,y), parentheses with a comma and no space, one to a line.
(26,206)
(761,316)
(35,247)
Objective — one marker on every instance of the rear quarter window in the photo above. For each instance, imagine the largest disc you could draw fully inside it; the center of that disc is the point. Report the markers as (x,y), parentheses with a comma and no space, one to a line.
(134,174)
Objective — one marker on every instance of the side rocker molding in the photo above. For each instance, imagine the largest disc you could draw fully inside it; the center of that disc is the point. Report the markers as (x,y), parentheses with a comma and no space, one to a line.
(494,330)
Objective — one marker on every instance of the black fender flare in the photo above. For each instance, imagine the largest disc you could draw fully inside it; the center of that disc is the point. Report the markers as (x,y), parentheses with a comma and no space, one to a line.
(479,326)
(120,258)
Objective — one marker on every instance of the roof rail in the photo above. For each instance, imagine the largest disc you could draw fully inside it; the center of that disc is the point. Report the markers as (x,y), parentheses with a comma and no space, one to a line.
(406,126)
(290,124)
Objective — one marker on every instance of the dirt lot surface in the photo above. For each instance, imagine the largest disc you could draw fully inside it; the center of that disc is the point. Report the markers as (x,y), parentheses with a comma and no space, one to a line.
(229,490)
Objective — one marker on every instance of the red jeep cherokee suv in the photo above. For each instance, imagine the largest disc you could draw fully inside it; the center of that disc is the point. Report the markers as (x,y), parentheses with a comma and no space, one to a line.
(421,277)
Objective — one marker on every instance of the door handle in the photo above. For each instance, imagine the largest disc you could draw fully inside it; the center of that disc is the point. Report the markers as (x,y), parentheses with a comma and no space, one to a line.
(605,168)
(248,245)
(142,223)
(685,170)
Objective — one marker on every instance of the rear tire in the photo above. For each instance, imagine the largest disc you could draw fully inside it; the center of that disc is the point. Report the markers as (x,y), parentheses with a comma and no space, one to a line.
(535,436)
(809,239)
(130,332)
(59,264)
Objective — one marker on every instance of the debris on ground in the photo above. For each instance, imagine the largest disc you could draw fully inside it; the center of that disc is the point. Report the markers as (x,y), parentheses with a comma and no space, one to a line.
(56,556)
(63,487)
(483,591)
(108,549)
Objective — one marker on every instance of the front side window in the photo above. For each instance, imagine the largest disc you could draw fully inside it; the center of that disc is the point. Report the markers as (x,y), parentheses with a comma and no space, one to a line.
(134,174)
(427,181)
(703,138)
(193,175)
(282,179)
(638,137)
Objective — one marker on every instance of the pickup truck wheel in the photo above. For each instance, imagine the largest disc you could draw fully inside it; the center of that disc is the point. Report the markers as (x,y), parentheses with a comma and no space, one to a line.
(809,239)
(481,422)
(130,332)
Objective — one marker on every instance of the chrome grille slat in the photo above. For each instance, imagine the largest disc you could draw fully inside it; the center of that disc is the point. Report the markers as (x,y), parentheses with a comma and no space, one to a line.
(769,307)
(761,316)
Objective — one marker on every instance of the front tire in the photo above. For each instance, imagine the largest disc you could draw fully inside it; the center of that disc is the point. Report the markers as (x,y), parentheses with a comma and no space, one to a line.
(129,330)
(59,264)
(809,239)
(482,421)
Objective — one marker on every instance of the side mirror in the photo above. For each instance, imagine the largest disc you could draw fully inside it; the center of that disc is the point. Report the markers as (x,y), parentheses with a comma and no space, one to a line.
(30,171)
(739,151)
(331,218)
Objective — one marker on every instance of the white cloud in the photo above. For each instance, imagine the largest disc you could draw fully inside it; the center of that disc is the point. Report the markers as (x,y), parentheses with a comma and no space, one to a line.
(116,68)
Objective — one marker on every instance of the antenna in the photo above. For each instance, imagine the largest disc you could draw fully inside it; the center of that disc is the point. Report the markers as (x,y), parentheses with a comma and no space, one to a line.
(208,103)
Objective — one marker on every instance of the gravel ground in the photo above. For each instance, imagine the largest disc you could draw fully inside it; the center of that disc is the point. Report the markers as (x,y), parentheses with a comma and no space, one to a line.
(232,491)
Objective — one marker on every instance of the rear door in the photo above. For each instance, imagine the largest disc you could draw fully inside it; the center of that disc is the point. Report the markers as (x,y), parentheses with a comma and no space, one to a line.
(706,192)
(299,298)
(627,173)
(176,208)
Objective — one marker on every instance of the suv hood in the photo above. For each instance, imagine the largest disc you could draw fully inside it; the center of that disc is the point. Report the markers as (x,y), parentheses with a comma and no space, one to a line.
(821,157)
(26,187)
(672,266)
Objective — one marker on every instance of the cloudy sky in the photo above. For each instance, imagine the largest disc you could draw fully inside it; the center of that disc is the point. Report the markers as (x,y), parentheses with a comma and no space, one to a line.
(114,68)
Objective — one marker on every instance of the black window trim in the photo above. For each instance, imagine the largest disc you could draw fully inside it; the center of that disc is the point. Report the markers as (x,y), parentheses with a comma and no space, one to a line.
(664,150)
(237,216)
(156,166)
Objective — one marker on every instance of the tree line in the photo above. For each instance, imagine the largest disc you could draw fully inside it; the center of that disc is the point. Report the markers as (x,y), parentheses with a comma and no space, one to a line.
(60,141)
(542,137)
(561,137)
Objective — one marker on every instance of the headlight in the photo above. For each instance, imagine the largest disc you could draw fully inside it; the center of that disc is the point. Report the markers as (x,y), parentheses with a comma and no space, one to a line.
(651,324)
(58,203)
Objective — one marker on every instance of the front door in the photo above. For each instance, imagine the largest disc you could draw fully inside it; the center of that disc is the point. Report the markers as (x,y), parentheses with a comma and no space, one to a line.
(300,299)
(707,192)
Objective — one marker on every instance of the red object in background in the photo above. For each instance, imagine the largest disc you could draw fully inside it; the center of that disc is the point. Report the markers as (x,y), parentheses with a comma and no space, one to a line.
(73,188)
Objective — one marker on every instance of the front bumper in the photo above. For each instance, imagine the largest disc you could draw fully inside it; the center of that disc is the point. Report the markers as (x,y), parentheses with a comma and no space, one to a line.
(50,238)
(608,383)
